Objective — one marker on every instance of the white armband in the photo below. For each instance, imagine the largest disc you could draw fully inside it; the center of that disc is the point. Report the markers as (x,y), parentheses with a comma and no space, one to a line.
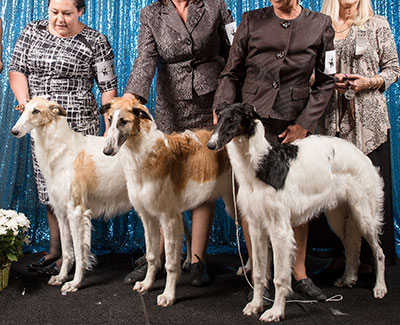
(105,71)
(230,31)
(330,62)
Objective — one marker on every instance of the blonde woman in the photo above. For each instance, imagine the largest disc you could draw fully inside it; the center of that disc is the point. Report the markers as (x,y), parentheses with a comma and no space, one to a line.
(367,64)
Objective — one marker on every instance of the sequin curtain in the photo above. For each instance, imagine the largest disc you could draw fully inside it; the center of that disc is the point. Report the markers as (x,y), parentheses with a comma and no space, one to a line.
(119,21)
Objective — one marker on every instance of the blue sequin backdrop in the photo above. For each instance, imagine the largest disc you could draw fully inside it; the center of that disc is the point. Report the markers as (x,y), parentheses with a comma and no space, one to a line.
(119,21)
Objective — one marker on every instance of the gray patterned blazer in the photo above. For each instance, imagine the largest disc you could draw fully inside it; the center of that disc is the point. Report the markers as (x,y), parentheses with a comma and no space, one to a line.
(188,56)
(271,62)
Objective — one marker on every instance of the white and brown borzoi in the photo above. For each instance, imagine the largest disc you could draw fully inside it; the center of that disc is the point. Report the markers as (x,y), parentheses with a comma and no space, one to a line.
(166,175)
(81,181)
(288,184)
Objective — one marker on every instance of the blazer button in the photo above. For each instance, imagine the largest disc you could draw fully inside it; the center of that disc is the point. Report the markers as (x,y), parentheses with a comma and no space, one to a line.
(275,84)
(285,24)
(189,69)
(280,54)
(188,41)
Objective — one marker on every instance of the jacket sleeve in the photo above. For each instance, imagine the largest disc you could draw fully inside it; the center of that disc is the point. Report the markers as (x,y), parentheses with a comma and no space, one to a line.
(322,89)
(388,58)
(143,70)
(232,76)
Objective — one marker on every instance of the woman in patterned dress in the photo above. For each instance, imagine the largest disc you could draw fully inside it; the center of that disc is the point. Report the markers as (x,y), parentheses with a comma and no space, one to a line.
(367,64)
(186,40)
(59,59)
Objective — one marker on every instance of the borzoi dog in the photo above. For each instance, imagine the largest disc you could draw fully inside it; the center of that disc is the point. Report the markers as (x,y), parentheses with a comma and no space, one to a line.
(82,182)
(166,175)
(286,185)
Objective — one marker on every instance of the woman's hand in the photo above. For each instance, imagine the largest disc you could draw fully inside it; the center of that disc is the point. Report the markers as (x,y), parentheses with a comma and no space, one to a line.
(358,82)
(341,83)
(293,132)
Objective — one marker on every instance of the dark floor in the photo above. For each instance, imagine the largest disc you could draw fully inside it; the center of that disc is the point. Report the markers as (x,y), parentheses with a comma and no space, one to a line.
(104,299)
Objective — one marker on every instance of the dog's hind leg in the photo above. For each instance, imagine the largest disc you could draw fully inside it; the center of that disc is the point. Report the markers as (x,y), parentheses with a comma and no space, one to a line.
(76,222)
(352,245)
(259,239)
(173,230)
(284,247)
(152,237)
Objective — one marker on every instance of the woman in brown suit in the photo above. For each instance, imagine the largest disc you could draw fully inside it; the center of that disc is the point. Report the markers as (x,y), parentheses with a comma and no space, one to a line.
(273,55)
(186,41)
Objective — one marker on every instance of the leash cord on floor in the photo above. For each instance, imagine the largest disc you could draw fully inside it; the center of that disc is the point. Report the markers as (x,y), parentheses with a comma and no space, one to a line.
(335,298)
(146,315)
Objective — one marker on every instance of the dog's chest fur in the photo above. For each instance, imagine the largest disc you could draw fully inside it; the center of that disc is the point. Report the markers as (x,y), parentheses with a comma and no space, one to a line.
(274,166)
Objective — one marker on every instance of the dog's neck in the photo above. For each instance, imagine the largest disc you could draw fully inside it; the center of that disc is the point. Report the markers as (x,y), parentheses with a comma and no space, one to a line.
(52,140)
(246,152)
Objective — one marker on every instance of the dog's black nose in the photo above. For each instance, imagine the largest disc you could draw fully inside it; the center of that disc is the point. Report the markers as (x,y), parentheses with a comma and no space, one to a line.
(14,132)
(108,151)
(211,146)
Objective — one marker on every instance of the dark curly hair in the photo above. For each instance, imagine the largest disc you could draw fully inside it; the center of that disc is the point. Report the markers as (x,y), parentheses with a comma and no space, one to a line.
(79,4)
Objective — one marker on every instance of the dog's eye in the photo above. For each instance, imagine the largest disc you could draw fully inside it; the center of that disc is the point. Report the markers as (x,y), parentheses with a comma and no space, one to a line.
(35,111)
(123,122)
(110,119)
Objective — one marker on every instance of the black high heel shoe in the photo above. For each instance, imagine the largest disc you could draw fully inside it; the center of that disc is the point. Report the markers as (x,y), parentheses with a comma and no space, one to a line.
(43,262)
(50,270)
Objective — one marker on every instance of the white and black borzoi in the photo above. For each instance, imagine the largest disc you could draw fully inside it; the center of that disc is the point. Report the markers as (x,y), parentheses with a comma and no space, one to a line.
(286,185)
(81,181)
(166,175)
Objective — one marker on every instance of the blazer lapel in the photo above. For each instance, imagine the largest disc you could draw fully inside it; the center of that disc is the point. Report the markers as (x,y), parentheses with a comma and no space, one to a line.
(172,19)
(195,12)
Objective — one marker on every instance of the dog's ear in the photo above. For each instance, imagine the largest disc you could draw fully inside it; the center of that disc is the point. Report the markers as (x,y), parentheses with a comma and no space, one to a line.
(141,114)
(58,110)
(105,108)
(221,107)
(250,111)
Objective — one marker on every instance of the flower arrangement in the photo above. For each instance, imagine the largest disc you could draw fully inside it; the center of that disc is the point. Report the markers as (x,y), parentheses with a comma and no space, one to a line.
(13,228)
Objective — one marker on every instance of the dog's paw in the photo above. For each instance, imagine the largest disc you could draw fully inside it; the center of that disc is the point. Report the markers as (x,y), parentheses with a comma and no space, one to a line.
(70,287)
(56,280)
(186,265)
(141,287)
(165,300)
(272,315)
(380,291)
(241,271)
(345,281)
(252,309)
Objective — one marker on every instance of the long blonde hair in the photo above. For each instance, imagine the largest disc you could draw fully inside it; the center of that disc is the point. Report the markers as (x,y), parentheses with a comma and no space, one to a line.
(365,12)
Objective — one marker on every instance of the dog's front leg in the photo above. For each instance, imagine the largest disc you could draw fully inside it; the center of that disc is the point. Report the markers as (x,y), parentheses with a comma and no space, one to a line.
(173,230)
(259,241)
(152,238)
(284,247)
(76,222)
(67,252)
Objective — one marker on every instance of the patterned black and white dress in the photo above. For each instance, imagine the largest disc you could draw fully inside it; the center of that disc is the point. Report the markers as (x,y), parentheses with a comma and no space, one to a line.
(63,69)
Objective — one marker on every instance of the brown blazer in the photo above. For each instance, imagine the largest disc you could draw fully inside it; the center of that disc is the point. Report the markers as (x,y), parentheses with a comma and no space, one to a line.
(271,62)
(189,57)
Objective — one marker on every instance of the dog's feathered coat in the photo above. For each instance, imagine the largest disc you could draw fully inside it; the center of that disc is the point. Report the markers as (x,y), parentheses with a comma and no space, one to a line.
(166,175)
(315,173)
(81,181)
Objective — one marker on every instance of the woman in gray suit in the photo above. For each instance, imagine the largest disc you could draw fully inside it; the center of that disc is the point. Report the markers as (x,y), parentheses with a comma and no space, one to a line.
(187,42)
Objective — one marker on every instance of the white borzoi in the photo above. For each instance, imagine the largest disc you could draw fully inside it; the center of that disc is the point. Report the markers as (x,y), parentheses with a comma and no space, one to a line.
(81,181)
(166,175)
(288,185)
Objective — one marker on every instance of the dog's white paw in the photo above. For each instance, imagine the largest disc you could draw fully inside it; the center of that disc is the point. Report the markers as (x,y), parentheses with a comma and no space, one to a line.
(380,291)
(241,271)
(141,287)
(165,300)
(343,281)
(252,309)
(56,280)
(272,315)
(70,287)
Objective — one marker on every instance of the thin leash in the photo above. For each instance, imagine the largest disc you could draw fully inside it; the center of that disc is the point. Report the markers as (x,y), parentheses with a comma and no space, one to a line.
(335,298)
(146,315)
